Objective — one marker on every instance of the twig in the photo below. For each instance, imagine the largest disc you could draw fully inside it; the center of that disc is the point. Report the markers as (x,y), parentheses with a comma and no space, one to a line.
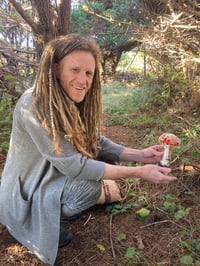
(184,120)
(176,18)
(111,241)
(187,188)
(87,220)
(160,222)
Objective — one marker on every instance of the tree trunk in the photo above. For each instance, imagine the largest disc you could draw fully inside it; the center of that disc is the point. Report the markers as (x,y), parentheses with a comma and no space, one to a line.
(48,20)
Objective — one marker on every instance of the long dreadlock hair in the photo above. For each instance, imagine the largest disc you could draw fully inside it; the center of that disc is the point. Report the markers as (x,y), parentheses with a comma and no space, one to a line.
(80,123)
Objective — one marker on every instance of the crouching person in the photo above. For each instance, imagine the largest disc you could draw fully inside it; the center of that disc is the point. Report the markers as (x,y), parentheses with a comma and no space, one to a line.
(57,163)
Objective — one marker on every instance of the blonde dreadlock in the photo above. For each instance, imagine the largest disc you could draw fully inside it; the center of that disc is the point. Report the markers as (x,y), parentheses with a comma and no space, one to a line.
(56,111)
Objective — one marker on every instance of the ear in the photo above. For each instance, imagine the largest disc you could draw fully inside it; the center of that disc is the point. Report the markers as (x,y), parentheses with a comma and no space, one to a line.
(56,70)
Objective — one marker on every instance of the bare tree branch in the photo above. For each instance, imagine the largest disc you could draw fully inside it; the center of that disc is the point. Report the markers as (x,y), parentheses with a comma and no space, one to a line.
(23,14)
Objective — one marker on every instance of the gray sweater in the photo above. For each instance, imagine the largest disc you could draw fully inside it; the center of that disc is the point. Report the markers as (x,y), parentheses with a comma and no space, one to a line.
(34,177)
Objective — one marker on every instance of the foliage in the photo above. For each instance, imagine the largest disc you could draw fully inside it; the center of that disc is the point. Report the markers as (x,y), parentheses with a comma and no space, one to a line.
(121,237)
(142,214)
(111,24)
(124,103)
(174,208)
(6,109)
(169,96)
(149,110)
(186,260)
(118,26)
(131,252)
(191,245)
(131,62)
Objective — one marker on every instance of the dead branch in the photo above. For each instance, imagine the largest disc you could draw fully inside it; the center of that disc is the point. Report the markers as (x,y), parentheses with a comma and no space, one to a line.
(23,14)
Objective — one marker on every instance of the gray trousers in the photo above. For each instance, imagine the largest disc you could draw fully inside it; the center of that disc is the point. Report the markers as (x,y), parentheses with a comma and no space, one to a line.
(79,195)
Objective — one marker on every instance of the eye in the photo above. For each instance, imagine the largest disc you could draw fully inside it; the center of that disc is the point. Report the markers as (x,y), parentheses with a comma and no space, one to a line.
(89,73)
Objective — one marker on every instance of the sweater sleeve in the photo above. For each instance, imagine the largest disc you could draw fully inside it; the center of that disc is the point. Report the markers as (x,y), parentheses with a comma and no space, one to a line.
(110,151)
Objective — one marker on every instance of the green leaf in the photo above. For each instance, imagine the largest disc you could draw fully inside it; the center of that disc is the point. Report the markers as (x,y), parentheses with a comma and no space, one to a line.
(186,245)
(171,197)
(195,155)
(9,77)
(132,194)
(108,208)
(130,252)
(180,214)
(187,260)
(197,246)
(121,237)
(168,205)
(143,212)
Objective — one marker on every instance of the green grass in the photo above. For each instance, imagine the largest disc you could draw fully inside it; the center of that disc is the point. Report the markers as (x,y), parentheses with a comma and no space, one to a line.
(134,107)
(148,110)
(6,110)
(121,98)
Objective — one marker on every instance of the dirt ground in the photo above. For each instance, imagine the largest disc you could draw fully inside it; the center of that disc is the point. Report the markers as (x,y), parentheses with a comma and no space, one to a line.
(161,240)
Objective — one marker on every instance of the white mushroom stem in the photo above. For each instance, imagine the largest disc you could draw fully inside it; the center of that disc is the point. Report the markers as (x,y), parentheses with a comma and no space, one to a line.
(165,158)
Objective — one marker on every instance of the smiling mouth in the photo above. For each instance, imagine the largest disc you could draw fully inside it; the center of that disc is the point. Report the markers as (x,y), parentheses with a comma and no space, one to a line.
(78,88)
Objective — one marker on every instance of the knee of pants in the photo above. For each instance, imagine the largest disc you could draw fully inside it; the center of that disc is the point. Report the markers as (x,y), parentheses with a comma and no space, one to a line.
(80,196)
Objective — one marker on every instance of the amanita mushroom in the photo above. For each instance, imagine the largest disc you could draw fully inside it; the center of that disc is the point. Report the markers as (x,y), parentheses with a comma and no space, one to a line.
(168,140)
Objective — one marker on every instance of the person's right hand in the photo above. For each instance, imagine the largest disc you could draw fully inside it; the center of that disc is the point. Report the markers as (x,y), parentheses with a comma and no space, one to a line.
(156,174)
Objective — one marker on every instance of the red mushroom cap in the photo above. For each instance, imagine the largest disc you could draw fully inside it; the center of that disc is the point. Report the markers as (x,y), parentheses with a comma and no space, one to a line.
(169,139)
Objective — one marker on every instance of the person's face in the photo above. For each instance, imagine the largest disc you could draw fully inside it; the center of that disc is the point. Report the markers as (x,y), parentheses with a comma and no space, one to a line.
(75,73)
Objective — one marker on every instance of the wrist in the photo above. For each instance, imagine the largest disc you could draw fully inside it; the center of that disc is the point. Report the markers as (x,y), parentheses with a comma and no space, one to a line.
(132,172)
(138,171)
(132,155)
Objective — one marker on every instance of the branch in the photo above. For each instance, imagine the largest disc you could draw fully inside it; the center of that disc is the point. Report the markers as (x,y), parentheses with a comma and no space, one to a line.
(8,21)
(190,27)
(3,48)
(18,59)
(110,19)
(23,14)
(176,17)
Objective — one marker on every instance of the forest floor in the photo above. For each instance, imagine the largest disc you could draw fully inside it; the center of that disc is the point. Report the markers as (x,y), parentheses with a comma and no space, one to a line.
(169,236)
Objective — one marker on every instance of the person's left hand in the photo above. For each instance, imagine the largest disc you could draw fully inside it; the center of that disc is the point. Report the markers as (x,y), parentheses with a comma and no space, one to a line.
(152,155)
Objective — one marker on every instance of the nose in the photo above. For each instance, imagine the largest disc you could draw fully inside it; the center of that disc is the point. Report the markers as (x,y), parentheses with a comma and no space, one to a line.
(82,77)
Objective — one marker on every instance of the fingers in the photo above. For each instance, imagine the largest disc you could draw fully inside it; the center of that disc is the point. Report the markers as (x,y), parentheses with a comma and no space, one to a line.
(165,170)
(165,178)
(158,174)
(159,148)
